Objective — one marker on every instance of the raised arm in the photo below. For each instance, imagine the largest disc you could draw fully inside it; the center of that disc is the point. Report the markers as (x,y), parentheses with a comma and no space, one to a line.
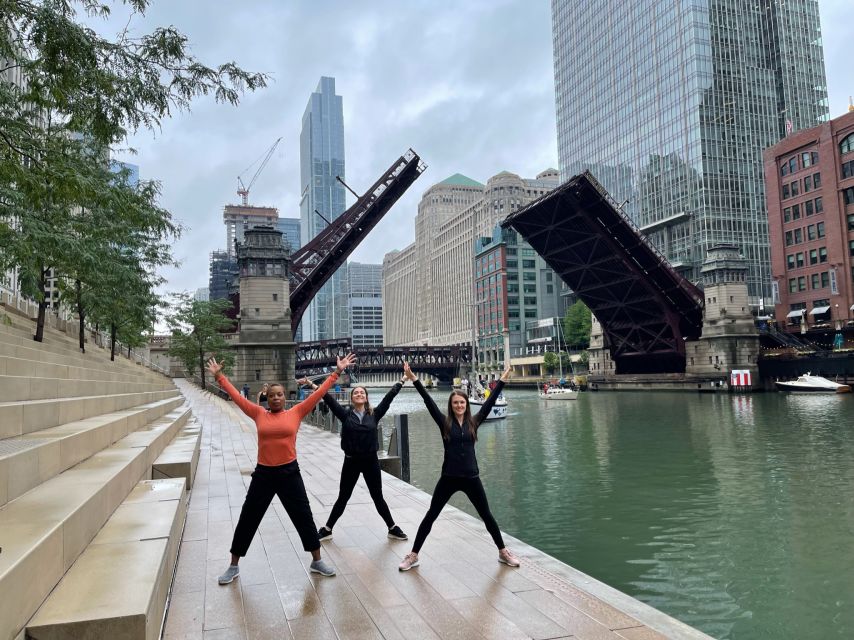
(246,406)
(435,412)
(492,399)
(385,403)
(305,407)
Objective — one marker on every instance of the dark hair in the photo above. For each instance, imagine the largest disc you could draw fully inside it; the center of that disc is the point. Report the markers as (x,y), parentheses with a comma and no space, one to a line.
(275,384)
(468,421)
(368,408)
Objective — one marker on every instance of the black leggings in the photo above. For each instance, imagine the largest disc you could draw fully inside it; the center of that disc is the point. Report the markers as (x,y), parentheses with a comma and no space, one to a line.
(445,488)
(286,482)
(368,466)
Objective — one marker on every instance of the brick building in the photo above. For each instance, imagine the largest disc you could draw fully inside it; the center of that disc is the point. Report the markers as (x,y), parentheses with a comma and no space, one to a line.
(809,180)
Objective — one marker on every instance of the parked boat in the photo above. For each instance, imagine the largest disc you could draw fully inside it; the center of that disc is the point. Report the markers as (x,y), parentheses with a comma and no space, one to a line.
(809,383)
(556,393)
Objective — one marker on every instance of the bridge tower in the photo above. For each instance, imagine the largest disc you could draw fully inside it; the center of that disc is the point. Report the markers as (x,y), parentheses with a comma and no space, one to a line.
(265,347)
(729,339)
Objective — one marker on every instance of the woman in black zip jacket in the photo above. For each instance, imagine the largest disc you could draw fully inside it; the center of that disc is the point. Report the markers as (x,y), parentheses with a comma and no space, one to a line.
(359,423)
(459,469)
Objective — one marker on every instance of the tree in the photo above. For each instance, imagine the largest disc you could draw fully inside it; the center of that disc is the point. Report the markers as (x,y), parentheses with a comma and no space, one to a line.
(80,95)
(577,324)
(550,359)
(197,328)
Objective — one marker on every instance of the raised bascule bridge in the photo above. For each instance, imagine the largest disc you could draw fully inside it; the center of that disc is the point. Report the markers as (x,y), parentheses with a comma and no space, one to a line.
(646,309)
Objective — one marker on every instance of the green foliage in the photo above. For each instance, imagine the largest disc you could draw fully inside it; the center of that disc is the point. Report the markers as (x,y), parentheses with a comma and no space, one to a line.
(81,95)
(197,327)
(585,357)
(550,359)
(576,326)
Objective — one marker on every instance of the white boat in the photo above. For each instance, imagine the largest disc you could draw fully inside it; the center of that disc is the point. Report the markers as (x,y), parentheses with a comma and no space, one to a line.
(499,409)
(809,383)
(556,393)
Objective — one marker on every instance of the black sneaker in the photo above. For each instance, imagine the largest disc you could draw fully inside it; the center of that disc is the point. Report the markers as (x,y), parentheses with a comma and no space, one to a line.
(397,534)
(324,533)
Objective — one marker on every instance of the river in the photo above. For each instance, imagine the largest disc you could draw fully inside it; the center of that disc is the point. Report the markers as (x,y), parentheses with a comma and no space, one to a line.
(734,514)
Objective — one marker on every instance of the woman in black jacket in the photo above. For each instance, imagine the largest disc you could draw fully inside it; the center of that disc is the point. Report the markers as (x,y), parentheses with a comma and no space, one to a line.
(459,469)
(359,424)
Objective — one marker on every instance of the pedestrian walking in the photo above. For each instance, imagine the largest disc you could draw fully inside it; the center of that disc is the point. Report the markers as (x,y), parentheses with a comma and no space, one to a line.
(262,395)
(460,472)
(359,430)
(246,390)
(277,471)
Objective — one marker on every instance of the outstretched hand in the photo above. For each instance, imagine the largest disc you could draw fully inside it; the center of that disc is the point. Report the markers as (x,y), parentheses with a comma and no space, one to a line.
(407,372)
(214,367)
(346,361)
(507,373)
(304,382)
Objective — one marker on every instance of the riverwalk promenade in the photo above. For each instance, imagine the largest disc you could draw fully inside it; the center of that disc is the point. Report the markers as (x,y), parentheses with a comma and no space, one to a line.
(459,591)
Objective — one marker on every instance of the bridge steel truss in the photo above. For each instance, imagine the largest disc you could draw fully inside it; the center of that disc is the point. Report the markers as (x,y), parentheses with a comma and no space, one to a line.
(313,264)
(647,310)
(315,358)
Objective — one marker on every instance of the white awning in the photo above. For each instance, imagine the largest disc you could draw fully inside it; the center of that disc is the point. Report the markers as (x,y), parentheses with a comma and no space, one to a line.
(797,313)
(852,308)
(817,311)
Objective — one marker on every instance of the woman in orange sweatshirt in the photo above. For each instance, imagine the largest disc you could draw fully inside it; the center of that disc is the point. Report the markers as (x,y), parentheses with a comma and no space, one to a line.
(277,472)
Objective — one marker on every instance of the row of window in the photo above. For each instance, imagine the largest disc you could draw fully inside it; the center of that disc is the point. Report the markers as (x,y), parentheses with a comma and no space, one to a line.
(792,189)
(807,158)
(808,208)
(817,280)
(797,236)
(798,260)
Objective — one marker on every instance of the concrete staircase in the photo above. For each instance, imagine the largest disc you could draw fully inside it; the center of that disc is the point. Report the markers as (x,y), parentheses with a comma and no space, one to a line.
(88,540)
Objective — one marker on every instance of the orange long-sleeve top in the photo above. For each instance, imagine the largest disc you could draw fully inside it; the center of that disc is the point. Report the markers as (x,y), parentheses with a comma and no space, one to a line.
(277,432)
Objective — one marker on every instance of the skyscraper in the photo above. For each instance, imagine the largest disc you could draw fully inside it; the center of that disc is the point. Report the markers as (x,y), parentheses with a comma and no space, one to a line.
(291,233)
(366,304)
(671,104)
(322,196)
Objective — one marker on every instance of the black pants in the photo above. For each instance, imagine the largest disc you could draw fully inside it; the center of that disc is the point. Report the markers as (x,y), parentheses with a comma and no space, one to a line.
(284,481)
(368,466)
(445,488)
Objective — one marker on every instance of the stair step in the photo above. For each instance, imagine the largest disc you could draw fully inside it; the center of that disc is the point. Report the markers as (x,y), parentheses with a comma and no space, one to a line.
(20,387)
(117,588)
(10,366)
(47,528)
(180,458)
(27,461)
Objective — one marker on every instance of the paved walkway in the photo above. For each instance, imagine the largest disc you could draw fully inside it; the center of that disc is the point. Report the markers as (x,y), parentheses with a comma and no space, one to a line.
(459,591)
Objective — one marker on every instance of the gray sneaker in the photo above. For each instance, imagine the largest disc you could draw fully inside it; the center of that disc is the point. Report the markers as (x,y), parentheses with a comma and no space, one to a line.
(230,574)
(319,566)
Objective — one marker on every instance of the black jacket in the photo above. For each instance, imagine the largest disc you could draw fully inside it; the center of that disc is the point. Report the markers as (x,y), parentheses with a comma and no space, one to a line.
(460,460)
(359,437)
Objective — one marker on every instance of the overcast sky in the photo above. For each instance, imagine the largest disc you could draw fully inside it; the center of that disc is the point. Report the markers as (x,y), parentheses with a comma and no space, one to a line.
(468,85)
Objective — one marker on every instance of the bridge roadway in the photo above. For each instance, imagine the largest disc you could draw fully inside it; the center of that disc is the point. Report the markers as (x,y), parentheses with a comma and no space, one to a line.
(460,590)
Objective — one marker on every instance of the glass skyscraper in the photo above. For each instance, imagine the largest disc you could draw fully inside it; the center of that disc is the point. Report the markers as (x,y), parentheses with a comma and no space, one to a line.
(322,196)
(670,103)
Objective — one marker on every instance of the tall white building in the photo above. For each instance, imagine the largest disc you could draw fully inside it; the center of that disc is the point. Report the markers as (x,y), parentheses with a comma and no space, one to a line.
(364,285)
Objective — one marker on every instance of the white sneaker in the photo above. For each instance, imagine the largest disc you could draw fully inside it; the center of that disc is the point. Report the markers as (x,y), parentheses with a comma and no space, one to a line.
(410,560)
(230,574)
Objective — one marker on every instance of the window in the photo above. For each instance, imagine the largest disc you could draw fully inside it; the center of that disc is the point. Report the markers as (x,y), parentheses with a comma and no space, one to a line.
(784,170)
(814,155)
(790,261)
(822,254)
(848,169)
(788,238)
(851,249)
(847,144)
(795,190)
(825,279)
(807,183)
(529,275)
(819,205)
(811,232)
(550,288)
(848,195)
(802,283)
(530,300)
(513,301)
(809,209)
(793,164)
(528,264)
(512,264)
(813,256)
(820,229)
(814,279)
(806,159)
(799,260)
(799,236)
(530,313)
(787,214)
(529,288)
(275,297)
(796,212)
(816,180)
(785,191)
(851,222)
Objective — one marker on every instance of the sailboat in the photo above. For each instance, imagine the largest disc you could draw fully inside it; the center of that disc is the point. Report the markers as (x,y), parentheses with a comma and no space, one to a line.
(559,393)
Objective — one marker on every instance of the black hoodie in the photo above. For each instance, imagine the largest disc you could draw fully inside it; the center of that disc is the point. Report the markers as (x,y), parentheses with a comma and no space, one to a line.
(359,437)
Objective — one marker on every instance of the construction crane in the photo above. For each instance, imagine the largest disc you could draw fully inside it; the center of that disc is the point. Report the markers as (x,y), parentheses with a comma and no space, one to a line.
(243,190)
